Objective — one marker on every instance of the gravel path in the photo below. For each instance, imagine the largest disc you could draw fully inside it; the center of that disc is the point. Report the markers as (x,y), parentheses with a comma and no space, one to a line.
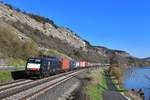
(111,93)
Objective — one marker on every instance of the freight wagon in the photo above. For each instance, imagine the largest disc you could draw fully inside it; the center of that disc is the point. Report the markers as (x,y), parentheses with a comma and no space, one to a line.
(65,64)
(87,64)
(80,64)
(83,64)
(77,65)
(46,66)
(73,65)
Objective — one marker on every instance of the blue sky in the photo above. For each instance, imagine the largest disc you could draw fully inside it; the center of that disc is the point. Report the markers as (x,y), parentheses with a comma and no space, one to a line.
(116,24)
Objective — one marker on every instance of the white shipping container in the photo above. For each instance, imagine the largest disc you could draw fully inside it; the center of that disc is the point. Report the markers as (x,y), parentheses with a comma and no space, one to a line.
(83,64)
(77,64)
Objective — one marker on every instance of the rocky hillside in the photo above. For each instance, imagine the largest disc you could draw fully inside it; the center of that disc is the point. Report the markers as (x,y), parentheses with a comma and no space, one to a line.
(148,59)
(23,35)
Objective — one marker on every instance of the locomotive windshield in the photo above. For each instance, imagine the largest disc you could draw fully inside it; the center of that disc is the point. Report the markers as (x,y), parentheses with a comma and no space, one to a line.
(37,61)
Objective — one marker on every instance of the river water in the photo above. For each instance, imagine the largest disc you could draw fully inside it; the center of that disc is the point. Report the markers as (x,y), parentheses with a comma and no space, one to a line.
(138,77)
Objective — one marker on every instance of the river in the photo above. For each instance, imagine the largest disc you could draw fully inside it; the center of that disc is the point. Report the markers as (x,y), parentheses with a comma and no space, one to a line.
(138,77)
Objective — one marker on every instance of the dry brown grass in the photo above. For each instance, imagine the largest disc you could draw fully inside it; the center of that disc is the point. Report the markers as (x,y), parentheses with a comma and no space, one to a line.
(97,85)
(117,73)
(97,76)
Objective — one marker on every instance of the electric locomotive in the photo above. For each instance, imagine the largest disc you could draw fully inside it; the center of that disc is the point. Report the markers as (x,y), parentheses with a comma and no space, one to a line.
(42,67)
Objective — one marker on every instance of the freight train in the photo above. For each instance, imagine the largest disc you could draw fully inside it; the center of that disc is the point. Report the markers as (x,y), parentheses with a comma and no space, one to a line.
(46,66)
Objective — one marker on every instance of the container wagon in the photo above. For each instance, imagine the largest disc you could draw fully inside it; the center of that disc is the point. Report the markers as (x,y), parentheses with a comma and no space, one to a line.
(87,64)
(65,64)
(83,64)
(80,64)
(77,65)
(46,66)
(72,65)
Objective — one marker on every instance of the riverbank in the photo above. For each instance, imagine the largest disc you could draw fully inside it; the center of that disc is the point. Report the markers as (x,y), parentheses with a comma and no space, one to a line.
(116,75)
(137,79)
(112,92)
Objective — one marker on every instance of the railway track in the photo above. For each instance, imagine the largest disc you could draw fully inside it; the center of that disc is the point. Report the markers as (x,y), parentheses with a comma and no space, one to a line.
(13,85)
(28,90)
(12,82)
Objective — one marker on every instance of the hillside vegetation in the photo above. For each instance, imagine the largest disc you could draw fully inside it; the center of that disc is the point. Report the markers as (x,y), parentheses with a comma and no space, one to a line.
(54,43)
(12,47)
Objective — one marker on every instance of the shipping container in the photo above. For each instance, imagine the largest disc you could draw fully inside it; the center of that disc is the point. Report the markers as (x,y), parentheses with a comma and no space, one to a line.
(72,64)
(86,64)
(83,64)
(77,65)
(80,64)
(102,64)
(65,64)
(90,64)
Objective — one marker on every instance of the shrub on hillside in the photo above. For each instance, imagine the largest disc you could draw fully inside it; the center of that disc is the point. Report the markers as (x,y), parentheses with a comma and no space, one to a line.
(10,6)
(42,19)
(30,49)
(13,8)
(50,52)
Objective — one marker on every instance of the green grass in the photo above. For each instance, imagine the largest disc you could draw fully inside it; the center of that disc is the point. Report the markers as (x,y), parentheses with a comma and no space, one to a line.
(5,75)
(95,90)
(16,62)
(120,88)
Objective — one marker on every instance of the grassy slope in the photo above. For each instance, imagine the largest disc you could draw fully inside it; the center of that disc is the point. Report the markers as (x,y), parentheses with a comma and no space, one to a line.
(97,86)
(5,75)
(16,62)
(15,50)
